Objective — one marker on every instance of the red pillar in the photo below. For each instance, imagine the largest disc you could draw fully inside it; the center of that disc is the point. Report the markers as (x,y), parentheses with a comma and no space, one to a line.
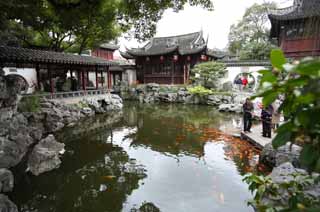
(184,74)
(50,80)
(102,79)
(97,82)
(83,80)
(109,78)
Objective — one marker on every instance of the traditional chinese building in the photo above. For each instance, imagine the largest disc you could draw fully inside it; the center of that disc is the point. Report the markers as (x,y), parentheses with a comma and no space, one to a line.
(168,60)
(297,28)
(47,70)
(105,51)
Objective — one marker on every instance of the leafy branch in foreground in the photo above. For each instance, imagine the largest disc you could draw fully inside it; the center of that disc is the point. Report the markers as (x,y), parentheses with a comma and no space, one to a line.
(300,89)
(288,196)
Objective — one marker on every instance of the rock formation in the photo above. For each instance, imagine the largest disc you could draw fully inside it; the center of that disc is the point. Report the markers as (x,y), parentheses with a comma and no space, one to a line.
(27,135)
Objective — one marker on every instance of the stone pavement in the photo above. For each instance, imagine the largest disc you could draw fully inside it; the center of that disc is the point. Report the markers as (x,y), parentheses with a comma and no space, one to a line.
(255,137)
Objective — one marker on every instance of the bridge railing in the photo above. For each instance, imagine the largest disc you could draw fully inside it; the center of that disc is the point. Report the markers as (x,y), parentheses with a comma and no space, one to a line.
(70,94)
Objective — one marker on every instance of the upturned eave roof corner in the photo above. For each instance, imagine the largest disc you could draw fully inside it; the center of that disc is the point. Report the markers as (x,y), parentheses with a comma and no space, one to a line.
(299,10)
(183,44)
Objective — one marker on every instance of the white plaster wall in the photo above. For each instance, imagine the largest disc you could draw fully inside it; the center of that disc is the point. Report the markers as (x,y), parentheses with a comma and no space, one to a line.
(234,71)
(29,74)
(131,76)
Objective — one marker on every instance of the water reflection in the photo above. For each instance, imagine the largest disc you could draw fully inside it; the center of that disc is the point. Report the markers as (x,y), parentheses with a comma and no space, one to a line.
(149,158)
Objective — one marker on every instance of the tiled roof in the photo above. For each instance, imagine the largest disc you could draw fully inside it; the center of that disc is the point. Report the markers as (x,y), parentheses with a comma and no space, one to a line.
(126,55)
(184,44)
(187,44)
(300,9)
(24,55)
(216,53)
(110,46)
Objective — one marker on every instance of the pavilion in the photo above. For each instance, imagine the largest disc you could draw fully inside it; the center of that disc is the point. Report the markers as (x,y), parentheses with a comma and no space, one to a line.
(168,60)
(297,28)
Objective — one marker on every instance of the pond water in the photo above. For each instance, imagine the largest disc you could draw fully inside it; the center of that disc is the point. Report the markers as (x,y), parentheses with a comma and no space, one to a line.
(155,157)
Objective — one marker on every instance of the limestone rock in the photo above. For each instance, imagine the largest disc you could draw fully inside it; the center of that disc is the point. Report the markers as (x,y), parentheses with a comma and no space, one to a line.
(213,100)
(286,153)
(6,205)
(154,87)
(104,103)
(87,111)
(227,86)
(236,108)
(6,180)
(148,98)
(12,152)
(45,156)
(284,174)
(168,97)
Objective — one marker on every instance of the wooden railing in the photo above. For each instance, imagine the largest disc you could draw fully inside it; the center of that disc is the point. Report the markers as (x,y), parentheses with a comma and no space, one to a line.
(71,94)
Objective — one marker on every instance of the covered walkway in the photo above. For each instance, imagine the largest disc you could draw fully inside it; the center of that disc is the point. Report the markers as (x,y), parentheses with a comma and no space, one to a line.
(54,69)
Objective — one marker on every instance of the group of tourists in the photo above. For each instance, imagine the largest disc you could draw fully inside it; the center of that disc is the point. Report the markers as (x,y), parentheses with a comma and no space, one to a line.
(241,82)
(270,117)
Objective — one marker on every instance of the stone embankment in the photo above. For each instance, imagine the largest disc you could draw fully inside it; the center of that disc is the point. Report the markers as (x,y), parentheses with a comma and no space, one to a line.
(153,93)
(27,137)
(286,167)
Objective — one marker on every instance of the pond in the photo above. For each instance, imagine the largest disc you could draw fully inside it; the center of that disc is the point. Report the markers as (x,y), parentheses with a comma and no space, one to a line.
(152,157)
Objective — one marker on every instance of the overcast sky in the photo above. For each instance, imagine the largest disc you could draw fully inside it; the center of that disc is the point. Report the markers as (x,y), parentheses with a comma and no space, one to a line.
(215,24)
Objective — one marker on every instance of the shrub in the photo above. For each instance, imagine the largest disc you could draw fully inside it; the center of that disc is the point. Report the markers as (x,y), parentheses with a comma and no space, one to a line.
(294,190)
(199,90)
(208,74)
(29,104)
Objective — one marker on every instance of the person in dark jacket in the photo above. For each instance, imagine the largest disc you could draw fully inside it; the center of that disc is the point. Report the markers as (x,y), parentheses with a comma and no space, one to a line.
(247,115)
(266,117)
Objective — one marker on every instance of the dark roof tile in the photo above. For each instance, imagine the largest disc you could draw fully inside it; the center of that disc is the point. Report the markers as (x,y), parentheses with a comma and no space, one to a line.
(24,55)
(183,44)
(300,9)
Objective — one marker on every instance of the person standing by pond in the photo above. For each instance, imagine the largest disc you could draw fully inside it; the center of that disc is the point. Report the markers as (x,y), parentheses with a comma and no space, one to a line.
(247,115)
(276,114)
(266,117)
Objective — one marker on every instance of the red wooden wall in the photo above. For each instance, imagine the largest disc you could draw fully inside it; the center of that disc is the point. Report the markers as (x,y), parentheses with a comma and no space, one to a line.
(301,47)
(103,53)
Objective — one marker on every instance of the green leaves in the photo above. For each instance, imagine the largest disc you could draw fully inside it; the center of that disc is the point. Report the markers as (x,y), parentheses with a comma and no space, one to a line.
(269,98)
(296,200)
(207,74)
(301,108)
(301,105)
(249,38)
(309,155)
(281,139)
(277,59)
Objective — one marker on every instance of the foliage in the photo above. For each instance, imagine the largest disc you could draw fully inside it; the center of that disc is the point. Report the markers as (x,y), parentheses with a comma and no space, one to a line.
(298,199)
(249,38)
(199,90)
(81,105)
(29,104)
(208,74)
(75,25)
(301,105)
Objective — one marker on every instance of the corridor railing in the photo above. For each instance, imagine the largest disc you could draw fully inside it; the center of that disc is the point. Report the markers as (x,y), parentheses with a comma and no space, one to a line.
(70,94)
